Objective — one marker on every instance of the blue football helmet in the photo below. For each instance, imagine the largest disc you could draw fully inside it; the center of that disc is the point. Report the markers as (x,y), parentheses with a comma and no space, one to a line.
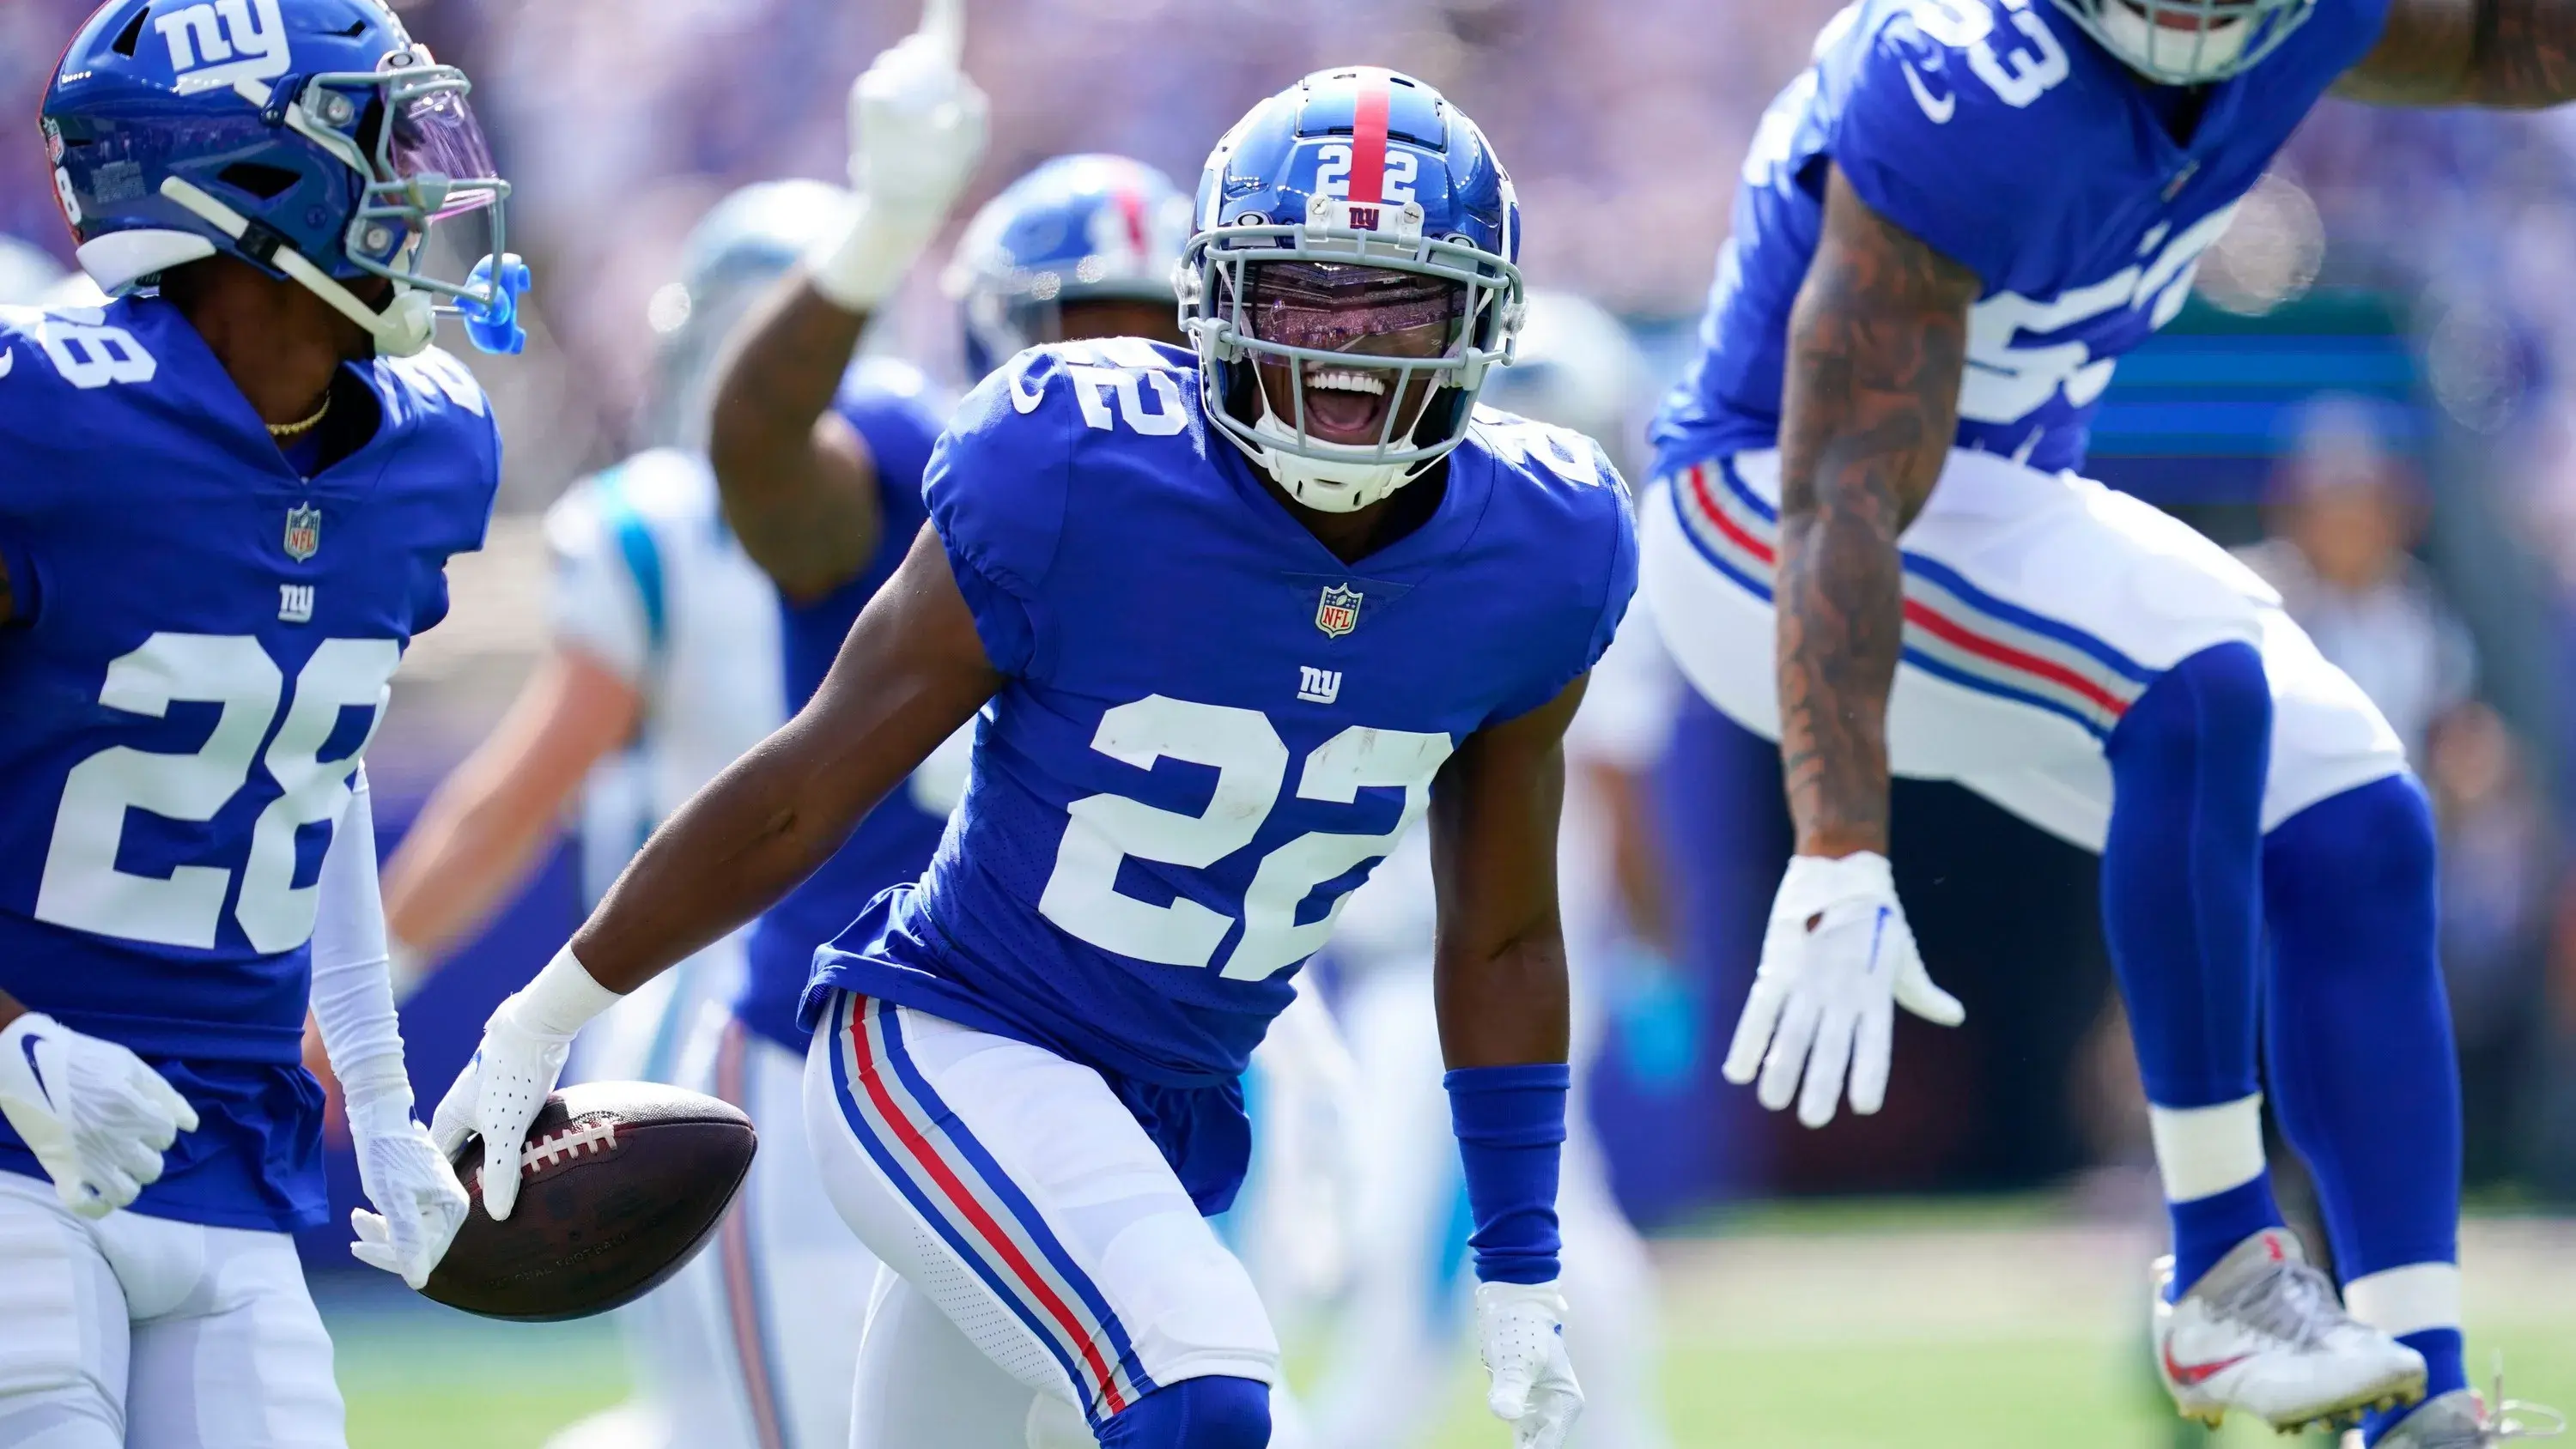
(1350,281)
(1079,228)
(732,258)
(312,139)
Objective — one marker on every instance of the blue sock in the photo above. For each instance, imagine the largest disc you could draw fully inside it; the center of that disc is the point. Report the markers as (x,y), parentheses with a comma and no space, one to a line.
(2365,1079)
(1203,1413)
(2180,907)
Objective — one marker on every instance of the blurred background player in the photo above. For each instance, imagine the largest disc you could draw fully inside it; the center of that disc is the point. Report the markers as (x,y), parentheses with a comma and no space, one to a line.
(1385,1377)
(291,465)
(1910,299)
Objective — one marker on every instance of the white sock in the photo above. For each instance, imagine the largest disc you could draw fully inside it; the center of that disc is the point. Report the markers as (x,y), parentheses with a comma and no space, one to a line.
(2204,1151)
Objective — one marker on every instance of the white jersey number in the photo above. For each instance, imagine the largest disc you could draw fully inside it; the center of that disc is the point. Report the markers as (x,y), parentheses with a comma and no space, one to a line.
(82,886)
(1082,893)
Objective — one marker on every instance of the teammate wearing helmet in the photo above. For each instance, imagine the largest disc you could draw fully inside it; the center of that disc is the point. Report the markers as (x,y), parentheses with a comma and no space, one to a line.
(1163,579)
(1387,1375)
(258,424)
(1952,226)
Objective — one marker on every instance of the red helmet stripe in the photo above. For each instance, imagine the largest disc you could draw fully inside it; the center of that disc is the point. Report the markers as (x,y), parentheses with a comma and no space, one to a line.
(1368,139)
(1131,205)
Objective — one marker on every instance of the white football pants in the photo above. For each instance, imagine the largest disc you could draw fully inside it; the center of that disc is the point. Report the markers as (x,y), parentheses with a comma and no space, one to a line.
(136,1332)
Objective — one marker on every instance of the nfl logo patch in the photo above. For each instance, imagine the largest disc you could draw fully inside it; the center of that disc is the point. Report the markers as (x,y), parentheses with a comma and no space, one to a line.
(303,532)
(1339,611)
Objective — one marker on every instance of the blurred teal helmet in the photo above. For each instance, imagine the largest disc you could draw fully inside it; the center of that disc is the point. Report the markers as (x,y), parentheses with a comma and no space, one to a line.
(1575,367)
(733,257)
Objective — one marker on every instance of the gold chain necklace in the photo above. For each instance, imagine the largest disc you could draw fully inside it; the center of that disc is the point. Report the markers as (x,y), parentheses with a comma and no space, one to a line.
(285,431)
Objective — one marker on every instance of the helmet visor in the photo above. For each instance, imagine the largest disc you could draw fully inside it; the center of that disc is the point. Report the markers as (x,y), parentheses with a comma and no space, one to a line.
(435,138)
(1338,308)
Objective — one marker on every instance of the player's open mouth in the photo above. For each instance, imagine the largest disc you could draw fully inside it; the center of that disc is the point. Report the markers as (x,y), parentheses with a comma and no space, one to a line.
(1345,404)
(2169,17)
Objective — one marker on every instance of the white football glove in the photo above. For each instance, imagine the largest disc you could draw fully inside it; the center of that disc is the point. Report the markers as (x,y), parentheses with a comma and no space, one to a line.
(495,1098)
(917,129)
(419,1202)
(506,1084)
(94,1115)
(1520,1334)
(1837,959)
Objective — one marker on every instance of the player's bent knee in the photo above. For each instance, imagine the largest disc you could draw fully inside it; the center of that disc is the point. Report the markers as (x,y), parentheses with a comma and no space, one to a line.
(2375,837)
(2218,698)
(1201,1413)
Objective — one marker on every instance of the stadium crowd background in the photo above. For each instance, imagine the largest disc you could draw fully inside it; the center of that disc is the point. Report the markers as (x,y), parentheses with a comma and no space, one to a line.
(2426,532)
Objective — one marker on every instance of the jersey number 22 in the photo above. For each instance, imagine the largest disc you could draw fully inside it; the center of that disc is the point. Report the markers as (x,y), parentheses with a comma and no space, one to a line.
(1251,762)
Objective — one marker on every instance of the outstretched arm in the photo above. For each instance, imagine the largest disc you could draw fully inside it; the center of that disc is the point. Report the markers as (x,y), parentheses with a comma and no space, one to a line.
(2517,54)
(910,673)
(1877,347)
(1498,977)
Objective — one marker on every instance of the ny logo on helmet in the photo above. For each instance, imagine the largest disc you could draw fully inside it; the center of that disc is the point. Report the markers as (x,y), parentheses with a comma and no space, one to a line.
(1338,612)
(216,44)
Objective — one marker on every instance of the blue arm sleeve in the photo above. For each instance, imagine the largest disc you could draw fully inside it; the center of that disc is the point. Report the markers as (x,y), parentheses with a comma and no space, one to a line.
(1510,1123)
(996,489)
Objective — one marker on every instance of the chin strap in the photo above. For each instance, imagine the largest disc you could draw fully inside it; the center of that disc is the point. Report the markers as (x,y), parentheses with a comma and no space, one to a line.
(404,328)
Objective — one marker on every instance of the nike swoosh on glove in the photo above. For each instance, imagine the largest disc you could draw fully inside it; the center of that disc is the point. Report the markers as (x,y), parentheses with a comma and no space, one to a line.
(96,1117)
(1837,959)
(497,1095)
(1520,1334)
(419,1203)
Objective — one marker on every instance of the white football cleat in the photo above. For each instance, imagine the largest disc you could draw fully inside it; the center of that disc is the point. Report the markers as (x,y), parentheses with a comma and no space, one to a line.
(2263,1332)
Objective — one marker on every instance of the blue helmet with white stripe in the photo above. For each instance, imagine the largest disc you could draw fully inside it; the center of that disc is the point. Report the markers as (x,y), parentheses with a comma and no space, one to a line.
(1077,229)
(1350,282)
(312,139)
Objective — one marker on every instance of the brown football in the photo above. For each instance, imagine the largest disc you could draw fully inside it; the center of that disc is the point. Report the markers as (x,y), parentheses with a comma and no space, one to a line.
(621,1184)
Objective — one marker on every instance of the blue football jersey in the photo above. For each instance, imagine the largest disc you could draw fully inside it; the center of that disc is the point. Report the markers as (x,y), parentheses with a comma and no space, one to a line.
(1214,728)
(202,648)
(890,405)
(2012,143)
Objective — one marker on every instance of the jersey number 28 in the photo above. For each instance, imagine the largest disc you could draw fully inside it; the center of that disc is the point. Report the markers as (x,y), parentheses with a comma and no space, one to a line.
(1082,893)
(82,887)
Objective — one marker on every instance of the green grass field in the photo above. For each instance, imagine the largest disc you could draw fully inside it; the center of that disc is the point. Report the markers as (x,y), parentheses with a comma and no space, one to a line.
(1887,1328)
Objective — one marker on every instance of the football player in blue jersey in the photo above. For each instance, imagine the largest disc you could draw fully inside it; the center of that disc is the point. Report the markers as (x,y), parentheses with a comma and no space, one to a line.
(1308,594)
(232,494)
(1951,227)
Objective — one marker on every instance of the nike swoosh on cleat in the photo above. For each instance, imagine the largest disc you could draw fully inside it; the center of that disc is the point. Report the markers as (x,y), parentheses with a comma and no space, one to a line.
(2194,1375)
(27,1044)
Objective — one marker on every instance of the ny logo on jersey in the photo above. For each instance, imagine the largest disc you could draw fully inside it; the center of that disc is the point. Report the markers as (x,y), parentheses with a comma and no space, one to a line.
(1338,612)
(225,41)
(303,532)
(1318,686)
(295,603)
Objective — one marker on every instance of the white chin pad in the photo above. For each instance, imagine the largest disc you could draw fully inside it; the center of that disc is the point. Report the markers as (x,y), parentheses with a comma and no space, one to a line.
(1326,484)
(2162,51)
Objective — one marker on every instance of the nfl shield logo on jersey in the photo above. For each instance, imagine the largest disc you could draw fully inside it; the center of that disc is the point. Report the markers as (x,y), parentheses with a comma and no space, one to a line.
(304,533)
(1339,611)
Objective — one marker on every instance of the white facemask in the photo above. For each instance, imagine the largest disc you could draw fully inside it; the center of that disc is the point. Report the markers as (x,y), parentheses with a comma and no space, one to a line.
(2162,52)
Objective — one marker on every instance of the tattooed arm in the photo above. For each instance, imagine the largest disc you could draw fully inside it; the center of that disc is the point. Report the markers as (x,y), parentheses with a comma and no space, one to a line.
(2519,54)
(799,487)
(1877,346)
